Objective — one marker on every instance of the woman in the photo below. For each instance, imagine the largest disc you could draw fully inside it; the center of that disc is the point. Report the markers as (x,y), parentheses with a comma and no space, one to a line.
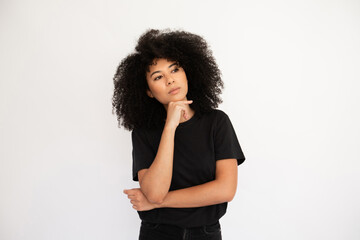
(185,151)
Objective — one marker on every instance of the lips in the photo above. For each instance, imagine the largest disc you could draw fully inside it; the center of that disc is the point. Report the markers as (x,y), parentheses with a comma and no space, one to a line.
(174,89)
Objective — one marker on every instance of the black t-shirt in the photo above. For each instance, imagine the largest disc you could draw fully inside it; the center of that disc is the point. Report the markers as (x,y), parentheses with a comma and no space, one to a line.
(199,143)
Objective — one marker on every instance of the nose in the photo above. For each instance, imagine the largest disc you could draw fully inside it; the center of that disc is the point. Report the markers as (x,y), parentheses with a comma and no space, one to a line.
(170,80)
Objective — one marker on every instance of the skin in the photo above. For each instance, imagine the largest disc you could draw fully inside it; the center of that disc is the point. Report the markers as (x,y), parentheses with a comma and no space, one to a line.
(155,181)
(220,190)
(163,76)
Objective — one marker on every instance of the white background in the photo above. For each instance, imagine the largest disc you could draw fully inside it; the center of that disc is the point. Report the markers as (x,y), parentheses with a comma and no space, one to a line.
(291,73)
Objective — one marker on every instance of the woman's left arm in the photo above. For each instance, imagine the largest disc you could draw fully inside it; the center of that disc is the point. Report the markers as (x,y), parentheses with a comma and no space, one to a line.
(220,190)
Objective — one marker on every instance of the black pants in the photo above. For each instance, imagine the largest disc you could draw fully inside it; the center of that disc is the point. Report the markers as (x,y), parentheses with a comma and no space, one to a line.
(155,231)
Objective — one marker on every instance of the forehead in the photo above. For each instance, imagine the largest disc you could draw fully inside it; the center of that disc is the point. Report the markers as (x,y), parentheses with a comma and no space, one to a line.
(160,64)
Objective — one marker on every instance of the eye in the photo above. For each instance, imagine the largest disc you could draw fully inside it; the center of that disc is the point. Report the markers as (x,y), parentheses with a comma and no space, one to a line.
(158,77)
(175,70)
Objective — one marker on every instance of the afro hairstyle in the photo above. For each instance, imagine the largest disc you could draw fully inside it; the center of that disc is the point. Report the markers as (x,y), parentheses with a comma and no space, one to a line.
(134,108)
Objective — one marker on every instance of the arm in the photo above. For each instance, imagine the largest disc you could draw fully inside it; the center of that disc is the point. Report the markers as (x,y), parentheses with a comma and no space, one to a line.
(155,181)
(220,190)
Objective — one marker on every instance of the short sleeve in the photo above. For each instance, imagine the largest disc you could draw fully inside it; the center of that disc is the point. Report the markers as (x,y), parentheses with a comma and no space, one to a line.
(142,153)
(226,143)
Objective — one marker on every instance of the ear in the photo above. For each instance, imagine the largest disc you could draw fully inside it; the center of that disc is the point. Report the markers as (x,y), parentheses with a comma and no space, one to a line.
(148,92)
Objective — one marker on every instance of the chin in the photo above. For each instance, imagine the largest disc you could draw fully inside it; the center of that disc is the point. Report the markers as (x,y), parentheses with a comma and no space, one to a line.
(175,98)
(178,98)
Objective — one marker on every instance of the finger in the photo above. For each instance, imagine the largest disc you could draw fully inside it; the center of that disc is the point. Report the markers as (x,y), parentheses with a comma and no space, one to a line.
(129,191)
(184,114)
(185,102)
(182,104)
(181,107)
(182,101)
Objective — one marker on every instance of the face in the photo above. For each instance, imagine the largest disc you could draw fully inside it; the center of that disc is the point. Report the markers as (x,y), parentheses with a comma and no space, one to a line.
(163,77)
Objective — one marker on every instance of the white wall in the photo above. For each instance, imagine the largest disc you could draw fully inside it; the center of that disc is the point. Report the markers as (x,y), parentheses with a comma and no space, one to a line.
(291,73)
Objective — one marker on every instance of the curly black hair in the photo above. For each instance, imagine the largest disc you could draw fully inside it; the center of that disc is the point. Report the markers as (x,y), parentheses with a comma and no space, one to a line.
(132,104)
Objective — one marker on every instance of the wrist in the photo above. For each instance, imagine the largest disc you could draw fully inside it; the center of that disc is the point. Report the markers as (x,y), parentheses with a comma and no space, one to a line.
(169,127)
(161,204)
(157,205)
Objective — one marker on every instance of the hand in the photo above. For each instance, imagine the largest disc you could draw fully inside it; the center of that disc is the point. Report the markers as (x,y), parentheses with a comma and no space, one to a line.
(175,110)
(139,200)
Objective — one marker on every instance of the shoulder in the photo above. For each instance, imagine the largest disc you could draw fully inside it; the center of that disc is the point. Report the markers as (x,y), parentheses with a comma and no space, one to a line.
(215,113)
(218,115)
(146,135)
(221,119)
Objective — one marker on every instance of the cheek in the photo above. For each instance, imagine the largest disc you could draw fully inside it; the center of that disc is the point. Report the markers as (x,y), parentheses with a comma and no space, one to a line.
(151,85)
(157,88)
(184,77)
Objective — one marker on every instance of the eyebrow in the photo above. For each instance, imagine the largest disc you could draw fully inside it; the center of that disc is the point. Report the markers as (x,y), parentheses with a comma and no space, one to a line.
(168,67)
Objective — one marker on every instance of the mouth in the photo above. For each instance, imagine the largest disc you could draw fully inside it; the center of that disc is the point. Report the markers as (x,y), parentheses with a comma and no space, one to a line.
(174,90)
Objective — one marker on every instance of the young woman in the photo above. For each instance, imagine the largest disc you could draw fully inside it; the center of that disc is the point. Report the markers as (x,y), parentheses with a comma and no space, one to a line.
(185,151)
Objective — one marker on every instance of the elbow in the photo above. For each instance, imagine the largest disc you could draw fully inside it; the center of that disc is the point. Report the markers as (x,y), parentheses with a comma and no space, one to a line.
(229,196)
(153,195)
(225,191)
(155,198)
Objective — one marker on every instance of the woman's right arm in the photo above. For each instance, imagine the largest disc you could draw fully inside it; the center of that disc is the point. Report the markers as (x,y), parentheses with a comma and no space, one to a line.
(155,181)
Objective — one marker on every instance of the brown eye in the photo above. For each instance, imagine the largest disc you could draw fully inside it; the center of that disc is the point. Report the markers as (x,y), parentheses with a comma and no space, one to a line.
(158,77)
